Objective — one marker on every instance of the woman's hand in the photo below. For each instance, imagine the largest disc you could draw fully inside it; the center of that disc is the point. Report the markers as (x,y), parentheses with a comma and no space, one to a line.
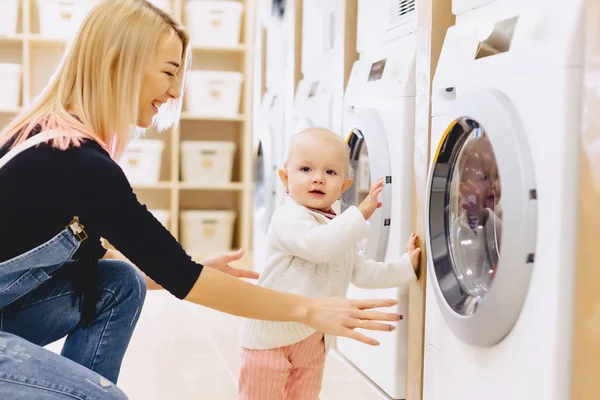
(334,316)
(371,203)
(221,261)
(339,316)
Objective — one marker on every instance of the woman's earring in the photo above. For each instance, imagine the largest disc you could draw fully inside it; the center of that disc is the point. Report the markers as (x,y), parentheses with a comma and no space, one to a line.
(287,191)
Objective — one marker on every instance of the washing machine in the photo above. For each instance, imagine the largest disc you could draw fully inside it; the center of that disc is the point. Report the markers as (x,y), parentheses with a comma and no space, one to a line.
(312,99)
(501,203)
(268,152)
(318,34)
(312,104)
(379,113)
(269,129)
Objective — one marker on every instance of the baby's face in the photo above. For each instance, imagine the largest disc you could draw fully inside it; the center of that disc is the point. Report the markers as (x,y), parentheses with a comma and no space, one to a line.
(480,176)
(316,170)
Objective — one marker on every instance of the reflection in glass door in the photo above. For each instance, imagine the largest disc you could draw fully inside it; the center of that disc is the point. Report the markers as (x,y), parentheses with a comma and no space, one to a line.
(471,191)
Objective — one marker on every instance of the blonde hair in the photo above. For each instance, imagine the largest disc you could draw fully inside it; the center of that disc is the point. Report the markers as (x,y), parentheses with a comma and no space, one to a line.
(99,79)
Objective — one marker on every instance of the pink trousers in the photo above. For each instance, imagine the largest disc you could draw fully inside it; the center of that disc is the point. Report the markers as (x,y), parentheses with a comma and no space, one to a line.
(292,372)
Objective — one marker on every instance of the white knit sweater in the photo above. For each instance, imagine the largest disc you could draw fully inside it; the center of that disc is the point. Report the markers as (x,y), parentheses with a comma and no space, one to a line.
(311,255)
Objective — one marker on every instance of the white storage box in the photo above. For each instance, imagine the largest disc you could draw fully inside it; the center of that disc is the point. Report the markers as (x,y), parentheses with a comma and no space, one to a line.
(213,23)
(163,216)
(10,82)
(142,160)
(9,11)
(213,93)
(207,162)
(207,232)
(61,18)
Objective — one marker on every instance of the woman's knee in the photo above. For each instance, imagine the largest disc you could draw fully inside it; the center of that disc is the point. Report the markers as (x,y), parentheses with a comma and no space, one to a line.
(122,279)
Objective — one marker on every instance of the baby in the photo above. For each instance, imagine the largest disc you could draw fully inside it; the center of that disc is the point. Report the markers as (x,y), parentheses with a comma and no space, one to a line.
(477,227)
(313,252)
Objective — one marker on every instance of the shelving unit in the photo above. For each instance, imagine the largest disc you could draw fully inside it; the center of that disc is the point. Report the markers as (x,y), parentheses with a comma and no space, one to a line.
(39,57)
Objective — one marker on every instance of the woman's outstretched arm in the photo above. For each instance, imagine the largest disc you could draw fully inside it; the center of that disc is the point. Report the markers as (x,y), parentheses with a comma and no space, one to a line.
(335,316)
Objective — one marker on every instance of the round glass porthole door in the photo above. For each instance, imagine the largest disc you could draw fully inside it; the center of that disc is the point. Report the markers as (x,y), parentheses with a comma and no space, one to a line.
(369,160)
(481,218)
(474,216)
(264,180)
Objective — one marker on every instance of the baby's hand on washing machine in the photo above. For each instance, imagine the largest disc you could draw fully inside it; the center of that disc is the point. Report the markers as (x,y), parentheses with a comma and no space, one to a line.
(414,252)
(371,203)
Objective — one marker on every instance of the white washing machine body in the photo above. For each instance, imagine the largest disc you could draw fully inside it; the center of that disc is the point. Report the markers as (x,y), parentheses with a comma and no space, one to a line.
(500,224)
(382,21)
(312,103)
(379,112)
(268,153)
(318,34)
(278,44)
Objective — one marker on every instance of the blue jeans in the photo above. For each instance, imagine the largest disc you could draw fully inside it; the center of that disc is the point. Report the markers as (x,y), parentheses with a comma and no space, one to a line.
(30,372)
(38,307)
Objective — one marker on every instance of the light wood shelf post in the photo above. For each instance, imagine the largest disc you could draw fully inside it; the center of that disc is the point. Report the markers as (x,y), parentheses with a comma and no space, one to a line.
(434,17)
(585,358)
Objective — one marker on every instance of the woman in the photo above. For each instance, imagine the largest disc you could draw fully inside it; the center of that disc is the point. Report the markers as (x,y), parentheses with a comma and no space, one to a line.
(122,73)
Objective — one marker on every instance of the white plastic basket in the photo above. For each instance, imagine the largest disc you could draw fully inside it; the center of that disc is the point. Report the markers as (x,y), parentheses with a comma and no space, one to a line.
(213,93)
(10,82)
(163,216)
(142,161)
(207,232)
(213,23)
(9,11)
(207,162)
(61,18)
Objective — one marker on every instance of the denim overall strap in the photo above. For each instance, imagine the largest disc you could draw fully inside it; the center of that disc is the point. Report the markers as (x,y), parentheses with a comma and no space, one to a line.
(32,141)
(23,273)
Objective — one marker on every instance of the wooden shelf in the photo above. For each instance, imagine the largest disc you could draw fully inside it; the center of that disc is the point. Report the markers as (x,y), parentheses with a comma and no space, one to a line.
(9,111)
(240,48)
(11,39)
(233,186)
(39,56)
(186,116)
(155,186)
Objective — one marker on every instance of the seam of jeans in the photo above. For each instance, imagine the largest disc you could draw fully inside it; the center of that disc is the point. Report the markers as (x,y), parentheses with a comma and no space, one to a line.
(112,311)
(48,299)
(71,395)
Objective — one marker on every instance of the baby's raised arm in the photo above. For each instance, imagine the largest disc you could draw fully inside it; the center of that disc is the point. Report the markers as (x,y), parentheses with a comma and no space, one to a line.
(300,234)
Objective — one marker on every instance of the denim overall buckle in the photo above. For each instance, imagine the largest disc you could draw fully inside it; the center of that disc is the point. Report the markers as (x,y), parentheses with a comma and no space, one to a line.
(77,228)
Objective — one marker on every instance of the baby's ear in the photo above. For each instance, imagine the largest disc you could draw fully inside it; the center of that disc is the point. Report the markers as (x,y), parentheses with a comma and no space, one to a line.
(283,175)
(347,184)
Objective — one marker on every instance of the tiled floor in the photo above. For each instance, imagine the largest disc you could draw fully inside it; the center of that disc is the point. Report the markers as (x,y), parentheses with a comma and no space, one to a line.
(183,351)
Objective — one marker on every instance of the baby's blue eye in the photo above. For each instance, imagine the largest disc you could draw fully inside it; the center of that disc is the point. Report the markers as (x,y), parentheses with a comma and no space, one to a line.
(305,169)
(331,172)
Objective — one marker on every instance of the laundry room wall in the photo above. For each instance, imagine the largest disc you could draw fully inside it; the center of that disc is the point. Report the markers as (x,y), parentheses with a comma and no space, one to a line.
(586,340)
(433,19)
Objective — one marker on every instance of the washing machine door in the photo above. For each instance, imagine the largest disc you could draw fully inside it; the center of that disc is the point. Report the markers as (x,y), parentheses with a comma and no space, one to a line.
(265,170)
(369,160)
(481,219)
